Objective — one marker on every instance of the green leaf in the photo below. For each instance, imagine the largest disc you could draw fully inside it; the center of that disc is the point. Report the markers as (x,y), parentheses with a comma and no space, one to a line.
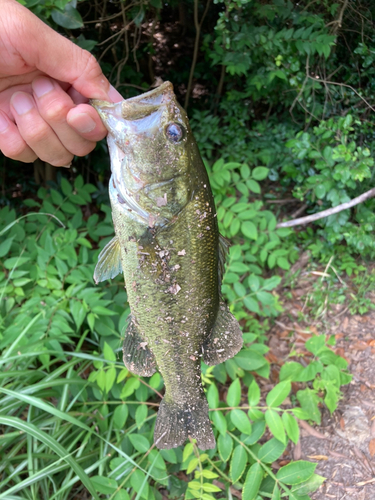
(260,173)
(290,371)
(296,472)
(78,312)
(140,443)
(5,246)
(252,482)
(66,187)
(309,486)
(291,427)
(234,393)
(271,451)
(309,401)
(120,416)
(219,421)
(70,18)
(225,446)
(258,428)
(249,230)
(108,353)
(140,415)
(249,360)
(188,450)
(275,425)
(251,304)
(104,484)
(38,434)
(213,396)
(122,495)
(210,488)
(253,393)
(277,395)
(241,421)
(253,186)
(238,463)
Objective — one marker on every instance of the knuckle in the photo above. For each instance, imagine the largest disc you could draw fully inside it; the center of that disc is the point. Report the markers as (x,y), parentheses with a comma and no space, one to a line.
(37,134)
(83,149)
(56,111)
(60,161)
(14,149)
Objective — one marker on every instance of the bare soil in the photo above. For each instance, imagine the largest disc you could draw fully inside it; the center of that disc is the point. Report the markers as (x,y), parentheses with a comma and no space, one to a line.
(343,446)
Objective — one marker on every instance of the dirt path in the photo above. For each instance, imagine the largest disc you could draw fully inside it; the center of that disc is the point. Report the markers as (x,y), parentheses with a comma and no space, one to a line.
(343,446)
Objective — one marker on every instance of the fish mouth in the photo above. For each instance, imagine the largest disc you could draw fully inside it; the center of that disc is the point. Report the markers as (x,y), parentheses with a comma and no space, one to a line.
(134,108)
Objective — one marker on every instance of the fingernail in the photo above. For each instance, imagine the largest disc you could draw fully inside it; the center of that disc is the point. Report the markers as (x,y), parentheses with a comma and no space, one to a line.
(66,166)
(22,102)
(42,86)
(83,123)
(4,123)
(114,95)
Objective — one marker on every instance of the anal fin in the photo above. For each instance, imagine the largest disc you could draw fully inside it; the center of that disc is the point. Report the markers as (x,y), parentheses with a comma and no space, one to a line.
(109,261)
(137,356)
(225,339)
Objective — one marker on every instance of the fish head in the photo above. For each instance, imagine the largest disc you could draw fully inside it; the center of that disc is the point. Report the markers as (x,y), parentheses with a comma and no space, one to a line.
(151,147)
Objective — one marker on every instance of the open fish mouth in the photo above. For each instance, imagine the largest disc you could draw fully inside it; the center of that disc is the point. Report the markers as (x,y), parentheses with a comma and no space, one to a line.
(134,108)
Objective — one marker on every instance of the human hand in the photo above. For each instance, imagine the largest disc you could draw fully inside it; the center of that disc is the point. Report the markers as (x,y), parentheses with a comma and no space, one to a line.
(45,84)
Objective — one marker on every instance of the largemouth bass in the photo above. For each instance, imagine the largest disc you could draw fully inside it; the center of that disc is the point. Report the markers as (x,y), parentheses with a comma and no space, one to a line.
(168,246)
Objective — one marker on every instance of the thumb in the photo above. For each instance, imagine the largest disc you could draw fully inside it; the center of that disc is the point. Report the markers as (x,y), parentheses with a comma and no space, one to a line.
(43,48)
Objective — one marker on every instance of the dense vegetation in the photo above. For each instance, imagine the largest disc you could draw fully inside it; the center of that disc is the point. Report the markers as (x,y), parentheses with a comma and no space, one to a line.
(279,96)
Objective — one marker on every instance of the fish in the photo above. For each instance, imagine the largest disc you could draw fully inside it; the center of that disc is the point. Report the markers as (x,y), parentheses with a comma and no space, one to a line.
(168,246)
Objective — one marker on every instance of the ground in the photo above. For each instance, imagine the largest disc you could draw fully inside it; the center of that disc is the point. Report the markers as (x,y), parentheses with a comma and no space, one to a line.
(343,446)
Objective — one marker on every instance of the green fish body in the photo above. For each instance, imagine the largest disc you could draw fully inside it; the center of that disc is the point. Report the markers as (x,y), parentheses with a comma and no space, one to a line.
(168,246)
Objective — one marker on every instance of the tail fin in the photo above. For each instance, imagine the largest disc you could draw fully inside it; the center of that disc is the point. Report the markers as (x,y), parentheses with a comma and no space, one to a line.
(176,423)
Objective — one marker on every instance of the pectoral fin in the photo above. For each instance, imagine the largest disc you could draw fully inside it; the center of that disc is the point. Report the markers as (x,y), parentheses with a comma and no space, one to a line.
(109,262)
(137,356)
(225,339)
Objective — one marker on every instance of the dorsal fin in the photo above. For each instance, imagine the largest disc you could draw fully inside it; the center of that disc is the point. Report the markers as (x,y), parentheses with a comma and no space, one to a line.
(109,261)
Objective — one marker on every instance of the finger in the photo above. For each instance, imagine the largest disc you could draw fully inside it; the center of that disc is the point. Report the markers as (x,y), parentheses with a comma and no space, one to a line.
(54,105)
(11,143)
(37,134)
(86,121)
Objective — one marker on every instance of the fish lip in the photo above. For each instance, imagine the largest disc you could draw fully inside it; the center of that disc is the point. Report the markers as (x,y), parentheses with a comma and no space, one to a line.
(136,107)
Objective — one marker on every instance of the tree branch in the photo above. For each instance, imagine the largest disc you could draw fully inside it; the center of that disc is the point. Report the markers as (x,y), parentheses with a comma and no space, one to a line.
(320,215)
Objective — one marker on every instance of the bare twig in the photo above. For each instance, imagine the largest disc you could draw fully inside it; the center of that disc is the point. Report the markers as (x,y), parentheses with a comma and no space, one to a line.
(335,210)
(198,26)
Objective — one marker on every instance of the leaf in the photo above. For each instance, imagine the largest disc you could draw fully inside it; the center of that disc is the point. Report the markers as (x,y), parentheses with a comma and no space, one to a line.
(271,451)
(108,353)
(225,446)
(277,395)
(70,18)
(104,484)
(66,187)
(296,472)
(234,393)
(110,377)
(249,360)
(260,173)
(290,371)
(219,422)
(140,415)
(32,430)
(258,428)
(249,230)
(210,488)
(291,427)
(309,486)
(251,304)
(253,186)
(120,416)
(188,450)
(252,482)
(140,443)
(309,401)
(275,425)
(78,312)
(238,463)
(5,246)
(253,393)
(241,421)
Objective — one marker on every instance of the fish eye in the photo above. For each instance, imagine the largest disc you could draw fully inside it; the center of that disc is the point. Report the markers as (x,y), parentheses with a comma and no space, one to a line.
(175,132)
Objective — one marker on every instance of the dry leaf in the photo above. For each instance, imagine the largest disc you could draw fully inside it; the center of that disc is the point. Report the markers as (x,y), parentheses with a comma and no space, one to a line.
(318,457)
(371,447)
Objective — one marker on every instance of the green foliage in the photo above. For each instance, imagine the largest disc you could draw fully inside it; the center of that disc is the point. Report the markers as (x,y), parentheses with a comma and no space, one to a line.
(60,339)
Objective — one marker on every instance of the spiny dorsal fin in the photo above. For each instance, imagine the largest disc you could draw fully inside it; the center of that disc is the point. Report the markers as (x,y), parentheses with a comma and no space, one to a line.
(137,356)
(109,262)
(225,340)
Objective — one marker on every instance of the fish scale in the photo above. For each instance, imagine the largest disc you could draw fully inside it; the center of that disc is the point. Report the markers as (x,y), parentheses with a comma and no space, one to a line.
(168,246)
